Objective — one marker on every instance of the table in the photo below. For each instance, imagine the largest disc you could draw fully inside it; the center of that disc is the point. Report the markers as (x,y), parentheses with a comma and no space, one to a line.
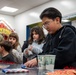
(32,71)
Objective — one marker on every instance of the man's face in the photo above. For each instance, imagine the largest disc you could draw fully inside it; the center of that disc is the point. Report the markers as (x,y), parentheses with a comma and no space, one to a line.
(49,24)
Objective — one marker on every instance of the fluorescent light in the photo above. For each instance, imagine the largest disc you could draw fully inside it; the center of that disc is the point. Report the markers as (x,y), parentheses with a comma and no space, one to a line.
(9,9)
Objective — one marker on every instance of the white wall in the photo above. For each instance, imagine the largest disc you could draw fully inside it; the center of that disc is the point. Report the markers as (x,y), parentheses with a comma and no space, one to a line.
(25,19)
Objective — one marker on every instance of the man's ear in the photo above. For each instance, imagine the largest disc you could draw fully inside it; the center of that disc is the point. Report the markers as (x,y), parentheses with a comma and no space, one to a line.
(2,47)
(57,19)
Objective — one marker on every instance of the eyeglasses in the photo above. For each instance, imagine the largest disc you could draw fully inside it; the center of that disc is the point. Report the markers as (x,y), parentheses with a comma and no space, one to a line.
(47,23)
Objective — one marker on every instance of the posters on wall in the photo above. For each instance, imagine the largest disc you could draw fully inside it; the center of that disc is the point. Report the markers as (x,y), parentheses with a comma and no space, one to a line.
(5,29)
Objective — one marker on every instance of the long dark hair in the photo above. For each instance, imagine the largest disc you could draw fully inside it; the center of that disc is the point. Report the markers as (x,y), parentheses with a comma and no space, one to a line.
(39,31)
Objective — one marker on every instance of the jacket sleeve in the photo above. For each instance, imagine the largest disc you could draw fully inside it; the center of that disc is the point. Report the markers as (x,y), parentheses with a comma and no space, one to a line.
(65,52)
(37,49)
(17,56)
(29,53)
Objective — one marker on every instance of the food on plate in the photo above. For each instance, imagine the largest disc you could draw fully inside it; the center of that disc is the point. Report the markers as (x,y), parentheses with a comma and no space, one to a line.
(62,72)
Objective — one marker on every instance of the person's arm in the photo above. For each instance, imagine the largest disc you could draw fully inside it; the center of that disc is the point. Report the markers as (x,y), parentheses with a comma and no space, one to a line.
(27,52)
(31,63)
(65,52)
(18,56)
(37,49)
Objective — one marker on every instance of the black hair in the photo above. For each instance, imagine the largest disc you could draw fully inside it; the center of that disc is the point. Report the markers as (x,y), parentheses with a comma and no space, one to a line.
(51,13)
(7,45)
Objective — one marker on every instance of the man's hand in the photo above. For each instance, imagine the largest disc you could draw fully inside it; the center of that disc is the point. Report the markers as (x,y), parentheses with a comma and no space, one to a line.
(31,63)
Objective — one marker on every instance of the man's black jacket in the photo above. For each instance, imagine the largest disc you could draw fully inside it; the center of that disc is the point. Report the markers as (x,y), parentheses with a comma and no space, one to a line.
(63,45)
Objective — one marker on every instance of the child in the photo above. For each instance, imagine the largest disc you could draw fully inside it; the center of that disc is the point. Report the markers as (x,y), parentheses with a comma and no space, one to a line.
(35,43)
(17,52)
(5,51)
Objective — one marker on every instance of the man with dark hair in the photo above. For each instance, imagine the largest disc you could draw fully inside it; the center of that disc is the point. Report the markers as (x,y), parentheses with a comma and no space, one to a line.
(62,42)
